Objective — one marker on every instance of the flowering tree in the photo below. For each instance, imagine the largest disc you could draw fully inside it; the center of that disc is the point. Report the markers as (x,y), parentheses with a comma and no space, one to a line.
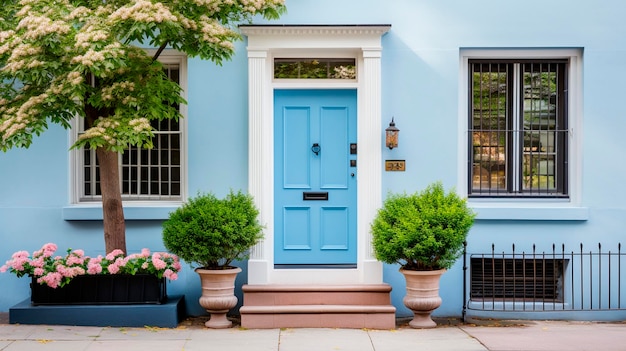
(65,59)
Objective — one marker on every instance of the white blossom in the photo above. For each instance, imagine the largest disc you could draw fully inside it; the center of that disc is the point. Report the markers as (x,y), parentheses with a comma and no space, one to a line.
(79,13)
(144,11)
(93,56)
(75,78)
(18,119)
(107,123)
(6,35)
(140,125)
(4,49)
(24,51)
(90,35)
(212,30)
(39,26)
(108,93)
(24,11)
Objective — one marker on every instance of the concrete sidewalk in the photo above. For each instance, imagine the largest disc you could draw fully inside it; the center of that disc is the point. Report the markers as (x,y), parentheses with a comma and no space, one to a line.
(522,336)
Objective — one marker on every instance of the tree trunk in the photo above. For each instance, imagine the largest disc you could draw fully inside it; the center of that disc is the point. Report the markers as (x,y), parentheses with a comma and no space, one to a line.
(112,210)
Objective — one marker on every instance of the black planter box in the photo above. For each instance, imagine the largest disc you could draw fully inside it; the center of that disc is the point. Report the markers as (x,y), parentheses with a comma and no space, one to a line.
(104,289)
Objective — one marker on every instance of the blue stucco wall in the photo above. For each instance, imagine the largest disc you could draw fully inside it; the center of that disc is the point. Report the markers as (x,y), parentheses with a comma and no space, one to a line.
(420,87)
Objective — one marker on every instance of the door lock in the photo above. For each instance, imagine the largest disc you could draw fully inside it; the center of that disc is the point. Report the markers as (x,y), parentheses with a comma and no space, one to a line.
(316,148)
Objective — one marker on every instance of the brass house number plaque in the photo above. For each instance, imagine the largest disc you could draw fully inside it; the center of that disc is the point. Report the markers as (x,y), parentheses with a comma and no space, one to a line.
(395,165)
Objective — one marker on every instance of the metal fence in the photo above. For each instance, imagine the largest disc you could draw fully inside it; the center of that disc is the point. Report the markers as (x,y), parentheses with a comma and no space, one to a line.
(556,280)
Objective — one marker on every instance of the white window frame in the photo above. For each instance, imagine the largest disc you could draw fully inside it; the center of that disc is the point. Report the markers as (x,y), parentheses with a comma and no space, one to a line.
(76,160)
(527,208)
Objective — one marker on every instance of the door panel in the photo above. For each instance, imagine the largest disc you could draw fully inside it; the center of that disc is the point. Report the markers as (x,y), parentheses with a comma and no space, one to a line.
(335,223)
(313,133)
(296,141)
(334,166)
(297,221)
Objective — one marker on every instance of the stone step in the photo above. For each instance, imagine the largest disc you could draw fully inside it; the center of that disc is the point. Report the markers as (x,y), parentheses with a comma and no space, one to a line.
(317,306)
(303,309)
(365,294)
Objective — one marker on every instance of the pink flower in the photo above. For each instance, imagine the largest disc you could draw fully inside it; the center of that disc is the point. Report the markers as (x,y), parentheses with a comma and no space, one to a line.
(74,260)
(70,272)
(20,254)
(158,263)
(48,249)
(145,253)
(39,271)
(38,263)
(18,263)
(94,268)
(63,270)
(79,253)
(169,274)
(4,268)
(51,279)
(113,268)
(111,255)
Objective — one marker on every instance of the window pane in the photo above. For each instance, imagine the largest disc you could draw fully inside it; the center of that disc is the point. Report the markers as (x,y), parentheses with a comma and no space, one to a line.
(315,68)
(490,110)
(540,87)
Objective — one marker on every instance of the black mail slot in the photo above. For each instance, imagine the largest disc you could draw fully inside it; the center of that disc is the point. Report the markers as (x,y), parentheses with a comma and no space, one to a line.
(315,195)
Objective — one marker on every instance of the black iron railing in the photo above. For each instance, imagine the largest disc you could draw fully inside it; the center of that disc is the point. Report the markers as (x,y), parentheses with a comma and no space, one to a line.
(559,279)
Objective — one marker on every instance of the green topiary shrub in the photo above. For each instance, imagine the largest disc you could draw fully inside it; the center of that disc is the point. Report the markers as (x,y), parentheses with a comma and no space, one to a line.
(422,231)
(211,232)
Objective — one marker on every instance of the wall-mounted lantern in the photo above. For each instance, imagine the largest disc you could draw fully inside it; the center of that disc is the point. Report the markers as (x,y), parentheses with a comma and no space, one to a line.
(391,135)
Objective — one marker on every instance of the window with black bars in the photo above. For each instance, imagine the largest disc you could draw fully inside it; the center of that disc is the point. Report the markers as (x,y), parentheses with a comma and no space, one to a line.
(508,278)
(146,174)
(518,128)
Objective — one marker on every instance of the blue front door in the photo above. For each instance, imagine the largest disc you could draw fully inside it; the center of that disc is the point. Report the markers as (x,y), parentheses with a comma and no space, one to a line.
(315,178)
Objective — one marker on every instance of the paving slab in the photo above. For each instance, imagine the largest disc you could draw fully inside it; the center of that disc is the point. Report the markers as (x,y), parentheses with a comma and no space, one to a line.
(137,345)
(323,339)
(15,331)
(147,333)
(551,336)
(63,333)
(47,345)
(233,339)
(436,339)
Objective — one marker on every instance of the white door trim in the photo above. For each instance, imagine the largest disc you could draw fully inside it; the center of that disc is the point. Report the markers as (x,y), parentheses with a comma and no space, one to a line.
(362,42)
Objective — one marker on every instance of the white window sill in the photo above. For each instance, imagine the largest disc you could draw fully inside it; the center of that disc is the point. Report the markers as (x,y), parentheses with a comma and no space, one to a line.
(93,212)
(529,212)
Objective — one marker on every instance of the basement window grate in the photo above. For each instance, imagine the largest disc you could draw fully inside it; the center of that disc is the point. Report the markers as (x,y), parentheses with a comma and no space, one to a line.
(532,279)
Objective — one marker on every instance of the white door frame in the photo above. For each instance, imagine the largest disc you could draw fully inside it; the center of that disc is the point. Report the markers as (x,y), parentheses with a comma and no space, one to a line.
(362,42)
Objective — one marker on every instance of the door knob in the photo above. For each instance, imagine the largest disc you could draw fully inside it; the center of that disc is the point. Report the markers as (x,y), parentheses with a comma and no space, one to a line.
(316,148)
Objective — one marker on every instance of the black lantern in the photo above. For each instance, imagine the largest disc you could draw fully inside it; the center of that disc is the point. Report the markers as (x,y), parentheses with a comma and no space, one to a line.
(391,135)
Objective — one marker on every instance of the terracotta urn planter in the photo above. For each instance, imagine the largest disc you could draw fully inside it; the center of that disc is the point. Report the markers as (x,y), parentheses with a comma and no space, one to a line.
(218,295)
(422,296)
